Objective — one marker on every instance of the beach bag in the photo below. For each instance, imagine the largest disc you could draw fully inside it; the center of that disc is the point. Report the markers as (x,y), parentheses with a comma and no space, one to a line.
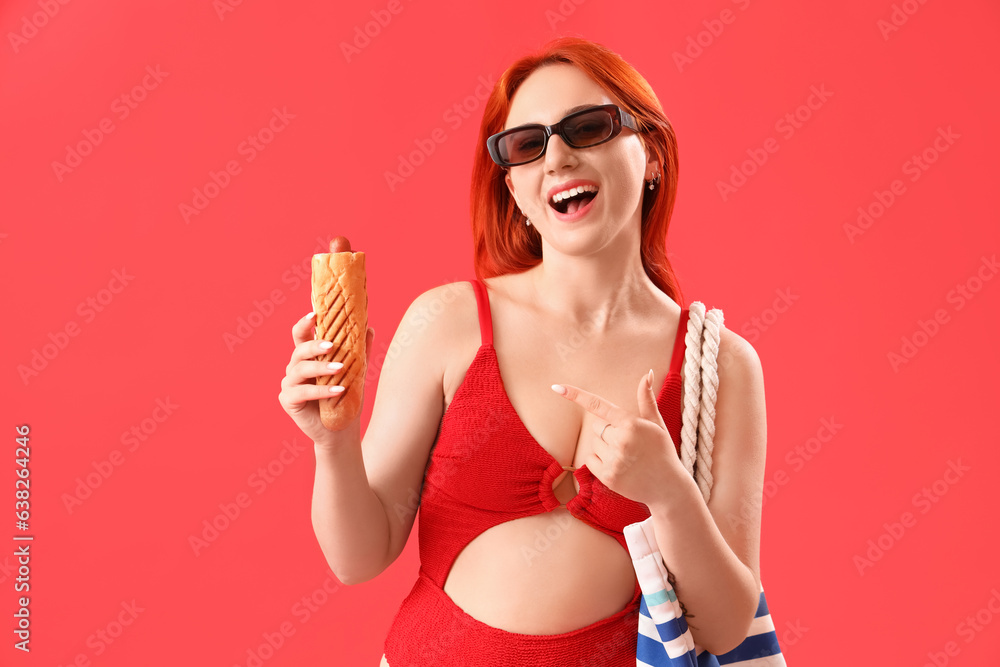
(664,638)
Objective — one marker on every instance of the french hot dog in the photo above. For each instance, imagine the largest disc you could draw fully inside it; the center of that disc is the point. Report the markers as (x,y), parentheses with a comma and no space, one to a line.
(340,300)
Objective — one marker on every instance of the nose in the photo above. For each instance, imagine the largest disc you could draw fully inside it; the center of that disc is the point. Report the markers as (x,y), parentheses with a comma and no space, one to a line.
(558,153)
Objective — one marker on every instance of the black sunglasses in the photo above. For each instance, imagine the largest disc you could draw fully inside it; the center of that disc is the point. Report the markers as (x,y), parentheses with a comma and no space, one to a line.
(587,127)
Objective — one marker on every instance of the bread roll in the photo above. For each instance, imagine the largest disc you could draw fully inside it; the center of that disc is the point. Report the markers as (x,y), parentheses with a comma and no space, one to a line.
(340,300)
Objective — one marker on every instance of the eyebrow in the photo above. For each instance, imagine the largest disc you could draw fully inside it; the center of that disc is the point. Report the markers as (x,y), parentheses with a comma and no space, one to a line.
(578,108)
(567,112)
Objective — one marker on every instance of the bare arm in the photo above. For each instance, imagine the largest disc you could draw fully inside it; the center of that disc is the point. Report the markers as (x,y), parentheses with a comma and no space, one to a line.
(713,550)
(358,488)
(348,518)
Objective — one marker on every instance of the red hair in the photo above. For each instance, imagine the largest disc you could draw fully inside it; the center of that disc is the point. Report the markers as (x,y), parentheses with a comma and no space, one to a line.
(502,242)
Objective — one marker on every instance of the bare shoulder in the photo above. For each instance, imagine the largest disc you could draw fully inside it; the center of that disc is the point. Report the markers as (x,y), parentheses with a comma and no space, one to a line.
(741,380)
(446,316)
(738,360)
(441,307)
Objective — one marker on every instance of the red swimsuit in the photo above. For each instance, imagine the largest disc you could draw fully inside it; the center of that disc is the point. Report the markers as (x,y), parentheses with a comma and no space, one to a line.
(484,470)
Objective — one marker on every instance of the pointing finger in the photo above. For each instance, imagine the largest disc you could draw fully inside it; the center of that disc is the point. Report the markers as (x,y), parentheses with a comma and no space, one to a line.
(592,403)
(648,409)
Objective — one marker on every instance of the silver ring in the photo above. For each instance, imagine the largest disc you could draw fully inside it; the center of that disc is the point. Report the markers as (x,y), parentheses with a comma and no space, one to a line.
(602,431)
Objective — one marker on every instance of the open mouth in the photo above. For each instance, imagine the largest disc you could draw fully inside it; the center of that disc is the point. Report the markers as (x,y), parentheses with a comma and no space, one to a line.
(573,203)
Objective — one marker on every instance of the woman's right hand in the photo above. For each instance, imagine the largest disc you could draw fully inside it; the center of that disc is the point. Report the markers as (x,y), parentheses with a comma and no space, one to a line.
(299,391)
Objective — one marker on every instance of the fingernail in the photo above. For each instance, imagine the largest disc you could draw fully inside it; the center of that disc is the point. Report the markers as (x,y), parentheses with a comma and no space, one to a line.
(650,378)
(310,315)
(559,389)
(336,389)
(335,365)
(326,345)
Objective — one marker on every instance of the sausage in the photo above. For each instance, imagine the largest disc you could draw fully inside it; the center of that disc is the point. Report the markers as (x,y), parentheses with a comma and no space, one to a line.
(340,244)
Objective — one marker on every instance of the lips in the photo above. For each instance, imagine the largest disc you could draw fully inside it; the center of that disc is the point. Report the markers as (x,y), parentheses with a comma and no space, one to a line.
(578,213)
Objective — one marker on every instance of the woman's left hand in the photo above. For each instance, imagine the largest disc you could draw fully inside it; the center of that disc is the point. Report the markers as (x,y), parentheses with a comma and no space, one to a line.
(636,457)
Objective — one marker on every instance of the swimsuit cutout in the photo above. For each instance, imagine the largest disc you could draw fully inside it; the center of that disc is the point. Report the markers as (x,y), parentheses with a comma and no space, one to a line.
(487,469)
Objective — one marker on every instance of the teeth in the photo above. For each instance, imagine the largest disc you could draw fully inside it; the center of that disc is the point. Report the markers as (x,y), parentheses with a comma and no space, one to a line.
(559,196)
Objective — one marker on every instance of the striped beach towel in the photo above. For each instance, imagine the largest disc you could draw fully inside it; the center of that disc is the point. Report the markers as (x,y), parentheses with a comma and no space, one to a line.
(664,638)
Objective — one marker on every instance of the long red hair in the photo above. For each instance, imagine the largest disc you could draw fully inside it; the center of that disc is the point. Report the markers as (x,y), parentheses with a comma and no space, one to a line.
(502,242)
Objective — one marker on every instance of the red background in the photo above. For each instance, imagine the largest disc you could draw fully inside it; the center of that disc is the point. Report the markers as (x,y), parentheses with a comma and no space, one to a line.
(164,336)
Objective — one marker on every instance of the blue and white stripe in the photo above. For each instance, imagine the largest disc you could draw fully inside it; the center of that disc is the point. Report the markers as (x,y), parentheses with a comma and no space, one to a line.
(664,637)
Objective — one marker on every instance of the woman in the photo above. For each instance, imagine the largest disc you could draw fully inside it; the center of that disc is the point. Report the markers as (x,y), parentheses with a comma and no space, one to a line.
(533,413)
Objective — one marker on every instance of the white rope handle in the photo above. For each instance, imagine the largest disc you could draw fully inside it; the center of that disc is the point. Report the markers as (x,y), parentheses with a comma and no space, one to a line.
(701,383)
(692,385)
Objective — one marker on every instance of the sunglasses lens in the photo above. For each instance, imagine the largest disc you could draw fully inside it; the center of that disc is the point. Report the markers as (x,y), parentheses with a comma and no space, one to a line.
(589,128)
(521,146)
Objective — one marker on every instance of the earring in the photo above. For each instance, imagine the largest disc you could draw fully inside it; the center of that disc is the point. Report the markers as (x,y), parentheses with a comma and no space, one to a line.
(527,221)
(654,181)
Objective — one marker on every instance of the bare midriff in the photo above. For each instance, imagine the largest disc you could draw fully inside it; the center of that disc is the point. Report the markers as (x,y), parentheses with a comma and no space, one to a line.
(544,574)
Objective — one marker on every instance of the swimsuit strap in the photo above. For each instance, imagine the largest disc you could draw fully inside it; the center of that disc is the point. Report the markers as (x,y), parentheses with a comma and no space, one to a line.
(485,319)
(678,357)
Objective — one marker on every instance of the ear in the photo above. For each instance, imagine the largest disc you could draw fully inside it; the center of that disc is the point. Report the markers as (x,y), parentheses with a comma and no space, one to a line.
(510,187)
(652,164)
